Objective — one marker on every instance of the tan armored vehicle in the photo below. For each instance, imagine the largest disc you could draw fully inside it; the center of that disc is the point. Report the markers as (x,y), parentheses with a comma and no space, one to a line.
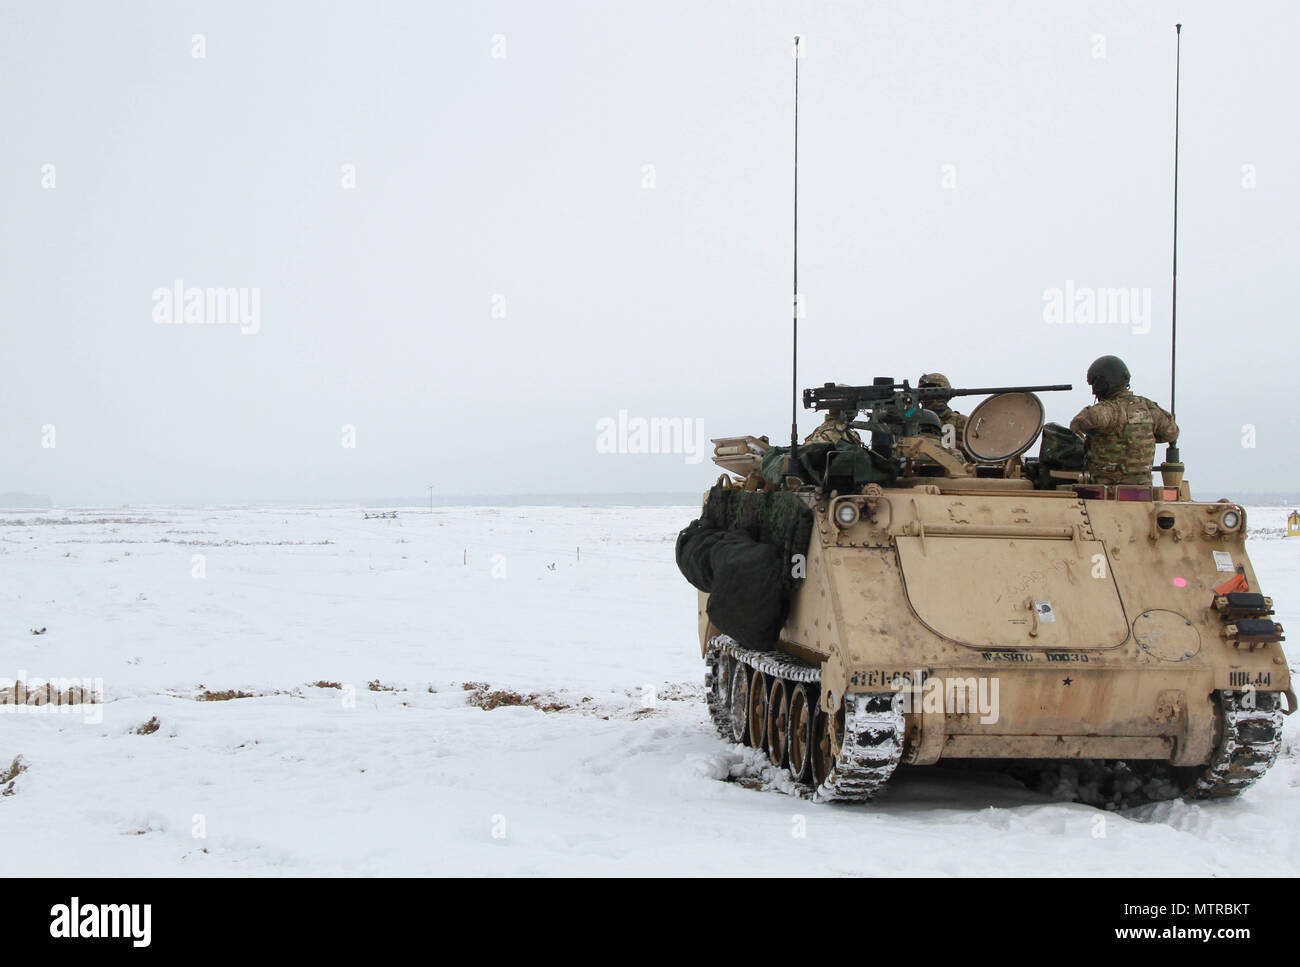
(863,607)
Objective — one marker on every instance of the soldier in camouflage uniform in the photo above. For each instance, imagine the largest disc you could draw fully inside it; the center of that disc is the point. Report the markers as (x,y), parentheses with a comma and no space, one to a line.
(835,429)
(947,415)
(1122,428)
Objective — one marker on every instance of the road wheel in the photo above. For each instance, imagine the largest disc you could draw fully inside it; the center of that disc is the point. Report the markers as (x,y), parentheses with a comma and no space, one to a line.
(758,710)
(778,722)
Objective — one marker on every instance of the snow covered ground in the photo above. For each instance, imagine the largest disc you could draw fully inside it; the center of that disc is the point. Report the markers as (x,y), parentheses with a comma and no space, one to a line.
(362,646)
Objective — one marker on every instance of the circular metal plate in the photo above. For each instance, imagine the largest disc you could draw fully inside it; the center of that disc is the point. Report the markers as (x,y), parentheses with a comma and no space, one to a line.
(1003,426)
(1166,635)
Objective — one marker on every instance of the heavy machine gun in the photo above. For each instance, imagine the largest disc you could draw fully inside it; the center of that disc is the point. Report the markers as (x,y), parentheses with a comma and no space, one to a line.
(894,410)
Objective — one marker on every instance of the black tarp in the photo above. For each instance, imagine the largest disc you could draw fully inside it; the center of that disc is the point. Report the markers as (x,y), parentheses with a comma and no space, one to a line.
(741,552)
(1061,449)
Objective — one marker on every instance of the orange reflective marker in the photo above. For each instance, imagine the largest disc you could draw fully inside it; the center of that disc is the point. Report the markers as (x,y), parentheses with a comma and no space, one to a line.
(1235,583)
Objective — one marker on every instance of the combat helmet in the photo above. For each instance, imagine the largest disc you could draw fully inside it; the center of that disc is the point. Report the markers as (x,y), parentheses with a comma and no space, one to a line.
(930,424)
(1107,375)
(934,379)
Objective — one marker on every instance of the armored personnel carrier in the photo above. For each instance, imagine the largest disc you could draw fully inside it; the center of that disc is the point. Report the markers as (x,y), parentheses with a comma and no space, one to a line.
(921,599)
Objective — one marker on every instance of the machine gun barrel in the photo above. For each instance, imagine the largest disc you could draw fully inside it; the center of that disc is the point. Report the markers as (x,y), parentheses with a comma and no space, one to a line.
(932,392)
(831,397)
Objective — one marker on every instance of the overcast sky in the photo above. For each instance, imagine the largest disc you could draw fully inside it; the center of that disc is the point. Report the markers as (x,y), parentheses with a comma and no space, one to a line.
(563,210)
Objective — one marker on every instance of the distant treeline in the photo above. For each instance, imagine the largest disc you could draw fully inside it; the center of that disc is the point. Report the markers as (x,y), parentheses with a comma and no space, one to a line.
(683,498)
(15,501)
(1258,498)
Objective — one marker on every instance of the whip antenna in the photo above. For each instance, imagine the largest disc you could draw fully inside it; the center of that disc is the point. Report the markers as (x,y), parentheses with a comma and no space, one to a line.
(794,360)
(1173,336)
(1171,470)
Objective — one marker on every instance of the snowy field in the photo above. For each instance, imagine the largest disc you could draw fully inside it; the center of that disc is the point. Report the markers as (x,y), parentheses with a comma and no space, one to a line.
(293,692)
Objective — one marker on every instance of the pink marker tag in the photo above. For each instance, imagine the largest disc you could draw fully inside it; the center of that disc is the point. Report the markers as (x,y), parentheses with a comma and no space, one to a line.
(1180,582)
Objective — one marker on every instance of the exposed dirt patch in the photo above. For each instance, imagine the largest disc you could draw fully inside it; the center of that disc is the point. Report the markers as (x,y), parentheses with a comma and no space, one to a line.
(226,696)
(377,686)
(202,693)
(8,776)
(149,728)
(488,699)
(325,684)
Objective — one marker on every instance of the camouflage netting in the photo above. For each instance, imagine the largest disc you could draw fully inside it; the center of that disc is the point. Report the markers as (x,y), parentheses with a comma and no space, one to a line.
(740,553)
(776,517)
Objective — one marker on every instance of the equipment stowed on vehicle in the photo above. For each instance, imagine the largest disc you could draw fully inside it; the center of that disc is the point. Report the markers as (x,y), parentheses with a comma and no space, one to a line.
(865,607)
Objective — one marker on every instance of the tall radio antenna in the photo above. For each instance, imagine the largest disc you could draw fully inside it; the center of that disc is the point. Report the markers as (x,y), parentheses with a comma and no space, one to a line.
(1171,470)
(1173,336)
(794,363)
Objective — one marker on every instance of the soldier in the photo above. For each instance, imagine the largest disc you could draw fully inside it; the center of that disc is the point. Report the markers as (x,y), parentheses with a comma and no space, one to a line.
(1122,428)
(947,415)
(835,429)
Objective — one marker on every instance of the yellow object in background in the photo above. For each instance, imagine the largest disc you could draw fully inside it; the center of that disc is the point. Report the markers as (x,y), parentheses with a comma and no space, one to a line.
(1293,524)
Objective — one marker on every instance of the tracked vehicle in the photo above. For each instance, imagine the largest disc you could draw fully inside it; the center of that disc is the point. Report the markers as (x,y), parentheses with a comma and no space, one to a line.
(964,602)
